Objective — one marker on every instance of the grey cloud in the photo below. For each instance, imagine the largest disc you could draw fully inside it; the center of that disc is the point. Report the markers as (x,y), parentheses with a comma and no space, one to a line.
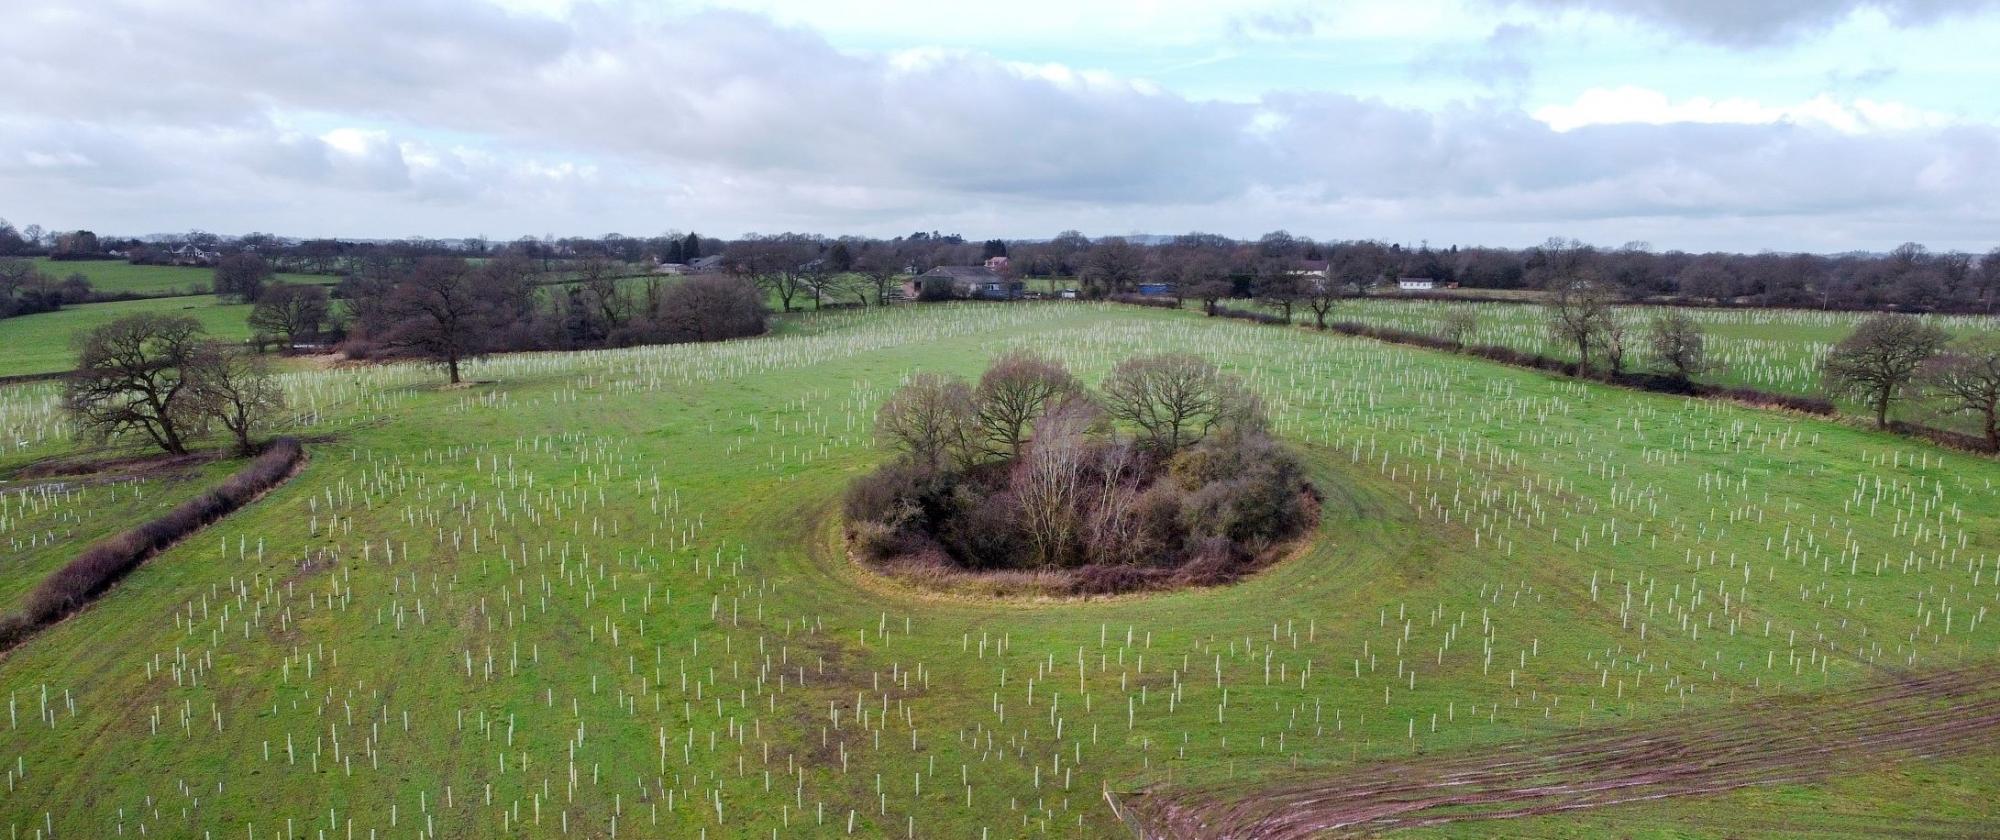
(1759,23)
(616,119)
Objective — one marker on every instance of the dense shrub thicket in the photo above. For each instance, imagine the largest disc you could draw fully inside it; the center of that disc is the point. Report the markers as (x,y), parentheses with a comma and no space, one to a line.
(1165,477)
(26,291)
(106,561)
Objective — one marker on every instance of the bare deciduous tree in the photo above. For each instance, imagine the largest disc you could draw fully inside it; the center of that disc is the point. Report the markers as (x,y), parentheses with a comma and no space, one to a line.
(1204,276)
(1679,348)
(1321,294)
(1110,532)
(881,266)
(1015,390)
(242,277)
(442,311)
(597,276)
(1176,399)
(706,308)
(1279,288)
(1579,310)
(1611,342)
(931,419)
(237,391)
(138,374)
(1113,266)
(1051,482)
(1966,379)
(293,311)
(1876,362)
(776,264)
(1460,322)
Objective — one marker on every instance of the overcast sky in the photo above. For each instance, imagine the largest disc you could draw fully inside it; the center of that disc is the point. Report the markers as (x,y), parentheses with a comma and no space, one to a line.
(1822,125)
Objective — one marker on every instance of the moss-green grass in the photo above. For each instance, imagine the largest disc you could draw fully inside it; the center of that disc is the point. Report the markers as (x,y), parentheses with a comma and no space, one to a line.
(1773,349)
(1481,528)
(40,343)
(114,276)
(45,522)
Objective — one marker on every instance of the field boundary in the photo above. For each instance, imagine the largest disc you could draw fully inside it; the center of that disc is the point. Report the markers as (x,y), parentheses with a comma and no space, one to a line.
(1743,396)
(72,588)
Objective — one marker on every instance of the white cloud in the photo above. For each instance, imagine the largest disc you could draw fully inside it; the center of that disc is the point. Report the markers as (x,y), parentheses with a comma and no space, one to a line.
(476,120)
(1628,104)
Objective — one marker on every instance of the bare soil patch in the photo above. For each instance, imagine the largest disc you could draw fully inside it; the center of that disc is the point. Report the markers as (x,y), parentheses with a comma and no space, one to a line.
(101,469)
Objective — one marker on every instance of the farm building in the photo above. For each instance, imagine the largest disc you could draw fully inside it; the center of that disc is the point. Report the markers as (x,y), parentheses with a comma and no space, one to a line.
(191,254)
(1156,289)
(974,281)
(706,265)
(1416,284)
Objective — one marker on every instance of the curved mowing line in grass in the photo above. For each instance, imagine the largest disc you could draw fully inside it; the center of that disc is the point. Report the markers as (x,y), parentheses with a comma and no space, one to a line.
(1781,740)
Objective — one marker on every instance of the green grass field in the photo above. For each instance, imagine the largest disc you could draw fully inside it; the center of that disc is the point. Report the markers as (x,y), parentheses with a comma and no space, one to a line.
(114,276)
(1772,349)
(45,522)
(40,343)
(604,593)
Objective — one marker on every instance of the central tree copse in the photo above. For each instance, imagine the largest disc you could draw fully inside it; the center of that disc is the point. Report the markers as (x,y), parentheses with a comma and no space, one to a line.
(1163,477)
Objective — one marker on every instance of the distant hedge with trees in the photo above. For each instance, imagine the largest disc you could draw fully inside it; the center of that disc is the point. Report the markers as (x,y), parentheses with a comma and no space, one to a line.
(449,311)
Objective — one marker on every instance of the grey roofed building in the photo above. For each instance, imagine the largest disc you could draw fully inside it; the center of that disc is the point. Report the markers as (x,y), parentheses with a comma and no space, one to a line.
(975,281)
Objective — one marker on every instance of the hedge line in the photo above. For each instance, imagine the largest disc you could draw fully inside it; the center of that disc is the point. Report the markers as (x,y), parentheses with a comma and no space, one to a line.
(1145,300)
(1250,315)
(1537,361)
(80,581)
(1640,381)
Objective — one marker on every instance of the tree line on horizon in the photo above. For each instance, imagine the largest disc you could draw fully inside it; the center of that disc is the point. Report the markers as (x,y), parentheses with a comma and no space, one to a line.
(797,267)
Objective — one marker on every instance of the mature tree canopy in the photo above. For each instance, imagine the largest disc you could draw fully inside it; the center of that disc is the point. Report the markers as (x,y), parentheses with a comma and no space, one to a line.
(448,312)
(241,277)
(237,390)
(138,374)
(1679,348)
(1015,390)
(294,311)
(1177,399)
(930,418)
(1579,312)
(1460,322)
(1965,379)
(708,307)
(1876,362)
(1279,288)
(1112,266)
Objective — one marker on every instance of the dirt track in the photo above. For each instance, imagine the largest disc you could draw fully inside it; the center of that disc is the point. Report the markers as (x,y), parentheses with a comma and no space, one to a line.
(1792,739)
